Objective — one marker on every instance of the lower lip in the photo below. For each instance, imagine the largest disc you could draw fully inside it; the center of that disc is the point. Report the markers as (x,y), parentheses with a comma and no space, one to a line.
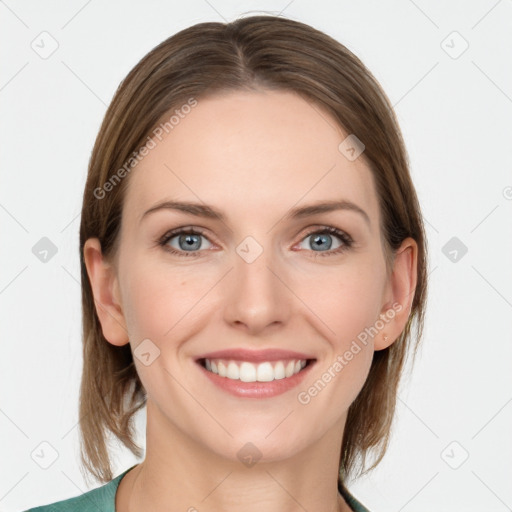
(257,389)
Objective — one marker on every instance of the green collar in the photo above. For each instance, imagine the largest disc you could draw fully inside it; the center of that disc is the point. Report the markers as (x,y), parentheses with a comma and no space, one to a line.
(354,504)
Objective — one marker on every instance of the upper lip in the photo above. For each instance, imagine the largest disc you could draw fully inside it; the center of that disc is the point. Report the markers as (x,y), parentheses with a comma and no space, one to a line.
(241,354)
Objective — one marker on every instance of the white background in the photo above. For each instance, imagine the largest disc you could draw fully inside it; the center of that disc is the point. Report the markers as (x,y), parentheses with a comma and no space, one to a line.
(455,114)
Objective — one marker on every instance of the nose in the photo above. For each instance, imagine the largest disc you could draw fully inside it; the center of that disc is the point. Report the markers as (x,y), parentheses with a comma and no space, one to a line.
(256,295)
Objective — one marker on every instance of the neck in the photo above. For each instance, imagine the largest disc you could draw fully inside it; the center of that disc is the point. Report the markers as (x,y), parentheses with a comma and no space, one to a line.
(181,473)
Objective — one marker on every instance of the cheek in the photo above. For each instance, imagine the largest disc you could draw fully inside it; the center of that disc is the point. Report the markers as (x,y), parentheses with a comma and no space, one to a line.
(347,306)
(156,299)
(347,300)
(162,308)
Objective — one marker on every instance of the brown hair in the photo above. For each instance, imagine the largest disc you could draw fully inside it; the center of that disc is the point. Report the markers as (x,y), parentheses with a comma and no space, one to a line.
(250,53)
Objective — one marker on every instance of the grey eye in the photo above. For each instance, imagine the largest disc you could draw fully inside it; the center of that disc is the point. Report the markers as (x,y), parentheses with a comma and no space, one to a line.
(188,242)
(321,241)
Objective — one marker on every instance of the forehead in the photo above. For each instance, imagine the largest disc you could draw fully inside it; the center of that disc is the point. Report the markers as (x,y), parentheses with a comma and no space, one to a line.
(241,150)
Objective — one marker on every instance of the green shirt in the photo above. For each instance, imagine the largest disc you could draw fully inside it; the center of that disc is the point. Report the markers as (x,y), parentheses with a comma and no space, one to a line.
(103,499)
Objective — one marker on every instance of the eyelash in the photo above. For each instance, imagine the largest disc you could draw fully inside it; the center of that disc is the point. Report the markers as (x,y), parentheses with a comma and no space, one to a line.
(346,239)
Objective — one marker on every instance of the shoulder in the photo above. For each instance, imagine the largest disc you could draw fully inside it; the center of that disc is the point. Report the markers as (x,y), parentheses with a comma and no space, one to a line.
(101,499)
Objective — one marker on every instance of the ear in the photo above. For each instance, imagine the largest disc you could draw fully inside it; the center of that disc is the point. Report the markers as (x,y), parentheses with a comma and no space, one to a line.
(105,288)
(399,294)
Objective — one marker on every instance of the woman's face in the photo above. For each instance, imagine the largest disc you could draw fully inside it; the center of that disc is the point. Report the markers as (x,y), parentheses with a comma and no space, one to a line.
(260,278)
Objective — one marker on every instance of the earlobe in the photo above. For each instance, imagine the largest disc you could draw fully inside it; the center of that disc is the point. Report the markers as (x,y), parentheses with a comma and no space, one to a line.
(401,289)
(105,288)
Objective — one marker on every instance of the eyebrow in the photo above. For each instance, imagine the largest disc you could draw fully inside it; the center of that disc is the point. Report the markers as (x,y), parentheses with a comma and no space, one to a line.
(203,210)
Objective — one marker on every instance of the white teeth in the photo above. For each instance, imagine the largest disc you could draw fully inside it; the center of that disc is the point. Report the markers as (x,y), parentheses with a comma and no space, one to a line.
(265,372)
(233,371)
(249,372)
(279,370)
(223,371)
(290,369)
(246,373)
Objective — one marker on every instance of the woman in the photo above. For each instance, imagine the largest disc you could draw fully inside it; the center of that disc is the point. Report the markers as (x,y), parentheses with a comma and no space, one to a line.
(253,258)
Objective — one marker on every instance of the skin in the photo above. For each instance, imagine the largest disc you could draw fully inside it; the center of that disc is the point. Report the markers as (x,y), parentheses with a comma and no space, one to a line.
(253,155)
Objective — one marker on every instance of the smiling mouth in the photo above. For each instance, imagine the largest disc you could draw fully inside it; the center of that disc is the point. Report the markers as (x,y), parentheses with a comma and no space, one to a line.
(246,371)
